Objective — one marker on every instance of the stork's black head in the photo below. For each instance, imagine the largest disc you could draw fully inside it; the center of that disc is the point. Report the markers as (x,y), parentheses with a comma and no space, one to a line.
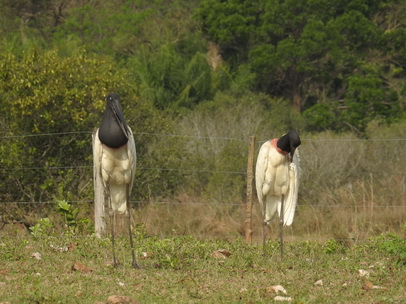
(289,142)
(113,99)
(113,131)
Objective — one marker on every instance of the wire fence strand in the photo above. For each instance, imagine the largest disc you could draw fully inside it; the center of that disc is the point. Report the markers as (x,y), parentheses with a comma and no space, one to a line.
(135,202)
(158,169)
(198,136)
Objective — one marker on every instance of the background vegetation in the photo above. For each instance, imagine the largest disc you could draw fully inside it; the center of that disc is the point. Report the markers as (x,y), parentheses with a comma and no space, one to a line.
(197,78)
(212,73)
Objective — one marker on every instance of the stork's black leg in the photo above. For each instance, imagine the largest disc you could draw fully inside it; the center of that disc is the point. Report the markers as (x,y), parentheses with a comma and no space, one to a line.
(264,223)
(112,222)
(112,236)
(128,215)
(281,222)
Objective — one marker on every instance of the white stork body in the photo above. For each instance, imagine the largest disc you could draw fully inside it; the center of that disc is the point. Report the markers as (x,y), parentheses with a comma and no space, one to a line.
(277,176)
(117,166)
(116,155)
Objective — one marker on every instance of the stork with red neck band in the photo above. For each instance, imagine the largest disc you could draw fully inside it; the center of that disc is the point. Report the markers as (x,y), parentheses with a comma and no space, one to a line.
(277,180)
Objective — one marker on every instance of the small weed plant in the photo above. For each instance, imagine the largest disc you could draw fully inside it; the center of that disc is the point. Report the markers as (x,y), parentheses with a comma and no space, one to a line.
(44,227)
(73,224)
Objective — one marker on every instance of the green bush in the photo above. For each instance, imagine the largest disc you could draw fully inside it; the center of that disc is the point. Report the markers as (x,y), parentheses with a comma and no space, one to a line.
(394,245)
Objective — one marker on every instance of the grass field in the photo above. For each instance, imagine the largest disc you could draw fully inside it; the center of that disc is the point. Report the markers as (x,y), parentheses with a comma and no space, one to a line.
(183,269)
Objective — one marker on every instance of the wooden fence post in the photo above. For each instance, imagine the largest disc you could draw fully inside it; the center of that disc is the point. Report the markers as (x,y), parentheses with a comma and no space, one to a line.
(99,212)
(250,179)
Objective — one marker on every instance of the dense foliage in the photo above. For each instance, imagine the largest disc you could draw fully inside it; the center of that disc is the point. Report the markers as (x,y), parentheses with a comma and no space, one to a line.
(212,68)
(336,59)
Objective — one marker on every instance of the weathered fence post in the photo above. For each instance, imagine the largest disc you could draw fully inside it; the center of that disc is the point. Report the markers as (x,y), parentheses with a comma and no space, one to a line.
(250,179)
(99,212)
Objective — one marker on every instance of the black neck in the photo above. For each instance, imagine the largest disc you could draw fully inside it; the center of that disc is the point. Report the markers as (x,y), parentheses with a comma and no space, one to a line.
(113,131)
(289,142)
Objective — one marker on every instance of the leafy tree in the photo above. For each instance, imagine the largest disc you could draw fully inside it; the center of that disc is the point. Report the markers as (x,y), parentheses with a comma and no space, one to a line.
(111,28)
(230,24)
(28,23)
(392,21)
(321,116)
(308,51)
(174,80)
(367,98)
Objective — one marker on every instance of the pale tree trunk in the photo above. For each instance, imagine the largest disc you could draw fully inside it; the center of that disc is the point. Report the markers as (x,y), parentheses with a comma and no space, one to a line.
(99,197)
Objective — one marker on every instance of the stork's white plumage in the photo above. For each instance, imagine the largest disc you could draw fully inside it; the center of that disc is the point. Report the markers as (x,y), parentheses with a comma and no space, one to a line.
(114,152)
(117,166)
(277,176)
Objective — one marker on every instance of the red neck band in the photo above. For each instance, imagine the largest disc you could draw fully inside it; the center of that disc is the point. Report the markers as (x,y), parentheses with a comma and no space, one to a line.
(274,143)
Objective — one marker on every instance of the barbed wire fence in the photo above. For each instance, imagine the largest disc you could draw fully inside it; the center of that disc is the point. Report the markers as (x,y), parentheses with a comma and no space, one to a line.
(401,206)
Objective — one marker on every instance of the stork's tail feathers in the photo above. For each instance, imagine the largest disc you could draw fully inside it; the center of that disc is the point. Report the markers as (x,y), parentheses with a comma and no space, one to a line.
(118,198)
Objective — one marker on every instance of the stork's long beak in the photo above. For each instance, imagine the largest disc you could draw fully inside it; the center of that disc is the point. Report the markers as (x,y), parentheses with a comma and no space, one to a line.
(116,109)
(292,152)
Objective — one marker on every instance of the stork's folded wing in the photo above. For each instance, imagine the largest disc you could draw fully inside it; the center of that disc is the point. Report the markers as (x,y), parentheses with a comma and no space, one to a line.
(292,196)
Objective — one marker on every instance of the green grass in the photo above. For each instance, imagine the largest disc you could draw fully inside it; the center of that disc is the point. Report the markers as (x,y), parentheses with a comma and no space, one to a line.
(183,270)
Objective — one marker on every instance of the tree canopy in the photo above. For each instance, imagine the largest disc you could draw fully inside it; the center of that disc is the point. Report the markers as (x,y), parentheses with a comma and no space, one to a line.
(318,54)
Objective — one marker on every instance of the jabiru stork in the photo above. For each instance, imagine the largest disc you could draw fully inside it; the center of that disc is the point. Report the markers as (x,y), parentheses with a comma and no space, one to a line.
(277,176)
(116,155)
